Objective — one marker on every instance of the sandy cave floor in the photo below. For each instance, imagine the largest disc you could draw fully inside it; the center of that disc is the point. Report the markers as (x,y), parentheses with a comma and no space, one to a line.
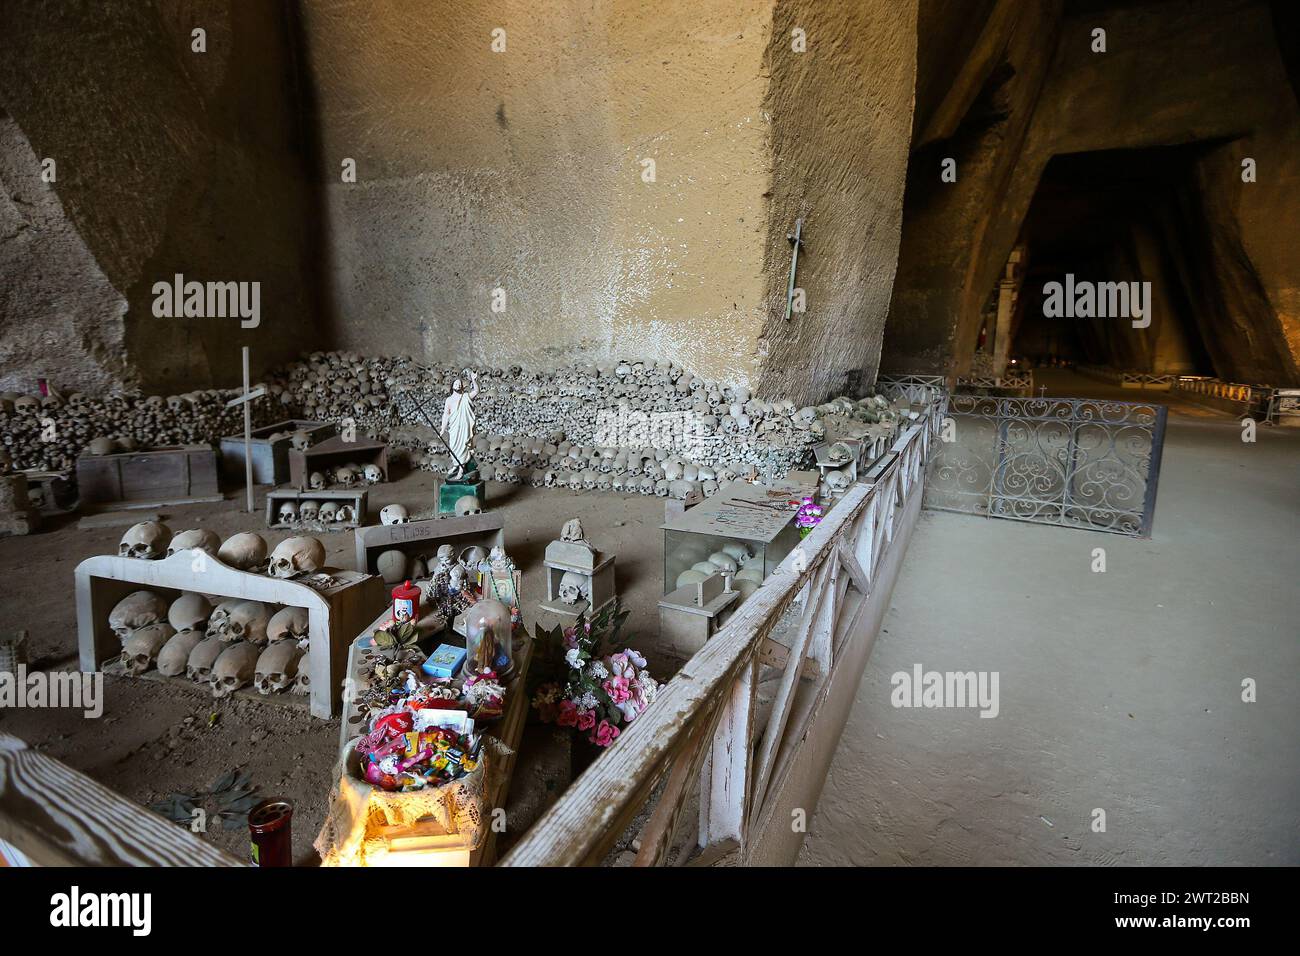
(154,739)
(1119,691)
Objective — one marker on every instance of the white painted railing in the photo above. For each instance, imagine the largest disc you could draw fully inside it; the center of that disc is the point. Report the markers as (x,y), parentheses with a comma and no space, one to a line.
(706,729)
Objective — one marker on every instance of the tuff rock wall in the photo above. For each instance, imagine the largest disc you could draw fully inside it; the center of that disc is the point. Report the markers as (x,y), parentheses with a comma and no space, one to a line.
(167,160)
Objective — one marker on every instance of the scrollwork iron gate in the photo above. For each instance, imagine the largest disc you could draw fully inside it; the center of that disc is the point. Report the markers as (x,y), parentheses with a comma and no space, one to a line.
(1079,463)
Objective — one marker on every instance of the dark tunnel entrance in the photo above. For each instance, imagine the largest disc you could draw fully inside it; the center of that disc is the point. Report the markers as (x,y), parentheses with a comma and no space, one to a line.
(1114,240)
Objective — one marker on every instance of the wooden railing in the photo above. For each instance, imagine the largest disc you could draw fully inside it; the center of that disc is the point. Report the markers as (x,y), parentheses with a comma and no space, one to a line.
(808,629)
(54,816)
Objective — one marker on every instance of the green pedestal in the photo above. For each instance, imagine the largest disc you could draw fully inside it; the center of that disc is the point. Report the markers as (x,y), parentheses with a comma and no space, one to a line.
(449,492)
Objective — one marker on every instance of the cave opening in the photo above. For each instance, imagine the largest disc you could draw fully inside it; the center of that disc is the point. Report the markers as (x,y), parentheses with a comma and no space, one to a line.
(1113,265)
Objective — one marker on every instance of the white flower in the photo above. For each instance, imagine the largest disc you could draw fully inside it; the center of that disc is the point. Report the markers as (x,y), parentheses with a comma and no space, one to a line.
(571,657)
(634,657)
(586,701)
(598,670)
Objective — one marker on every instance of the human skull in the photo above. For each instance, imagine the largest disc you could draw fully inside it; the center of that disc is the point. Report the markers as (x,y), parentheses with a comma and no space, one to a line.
(101,446)
(288,624)
(219,620)
(296,556)
(309,511)
(142,647)
(198,667)
(247,622)
(680,490)
(804,417)
(839,453)
(189,612)
(328,513)
(573,588)
(468,505)
(344,515)
(148,539)
(176,652)
(244,551)
(276,667)
(233,669)
(372,474)
(200,538)
(302,683)
(724,562)
(837,481)
(346,476)
(709,487)
(661,488)
(316,481)
(393,514)
(138,609)
(289,512)
(646,485)
(392,565)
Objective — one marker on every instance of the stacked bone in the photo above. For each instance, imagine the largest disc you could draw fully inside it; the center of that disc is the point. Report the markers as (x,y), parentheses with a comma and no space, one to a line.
(49,433)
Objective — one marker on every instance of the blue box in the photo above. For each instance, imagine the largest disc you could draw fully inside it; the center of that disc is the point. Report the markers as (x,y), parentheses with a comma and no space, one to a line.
(444,662)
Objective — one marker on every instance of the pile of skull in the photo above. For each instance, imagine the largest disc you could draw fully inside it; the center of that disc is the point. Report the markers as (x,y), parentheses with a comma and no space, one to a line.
(584,406)
(49,432)
(733,557)
(227,645)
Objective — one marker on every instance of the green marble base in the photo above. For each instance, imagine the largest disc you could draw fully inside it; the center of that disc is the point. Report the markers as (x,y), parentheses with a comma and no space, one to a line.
(449,492)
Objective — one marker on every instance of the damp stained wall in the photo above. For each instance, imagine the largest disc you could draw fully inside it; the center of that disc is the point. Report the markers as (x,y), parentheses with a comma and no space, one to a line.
(522,171)
(168,160)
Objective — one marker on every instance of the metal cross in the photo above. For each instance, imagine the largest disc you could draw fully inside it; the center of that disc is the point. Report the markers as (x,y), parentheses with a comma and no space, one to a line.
(796,241)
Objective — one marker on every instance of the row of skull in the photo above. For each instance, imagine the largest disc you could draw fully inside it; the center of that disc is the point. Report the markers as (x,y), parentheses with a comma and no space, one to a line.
(292,513)
(345,476)
(225,644)
(246,551)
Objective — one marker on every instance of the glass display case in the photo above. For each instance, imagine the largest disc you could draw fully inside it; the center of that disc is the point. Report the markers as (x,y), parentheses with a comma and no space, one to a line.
(740,530)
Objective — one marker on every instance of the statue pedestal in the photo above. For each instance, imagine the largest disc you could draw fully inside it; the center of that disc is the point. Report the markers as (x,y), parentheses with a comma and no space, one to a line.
(449,492)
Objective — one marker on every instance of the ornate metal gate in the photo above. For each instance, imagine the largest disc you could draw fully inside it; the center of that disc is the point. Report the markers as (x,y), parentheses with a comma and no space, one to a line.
(1080,463)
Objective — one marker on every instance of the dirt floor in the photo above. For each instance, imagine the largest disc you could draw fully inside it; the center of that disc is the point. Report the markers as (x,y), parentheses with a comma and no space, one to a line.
(1119,691)
(155,739)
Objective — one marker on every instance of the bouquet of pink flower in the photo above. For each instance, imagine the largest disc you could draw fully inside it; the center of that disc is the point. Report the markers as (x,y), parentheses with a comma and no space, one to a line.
(600,693)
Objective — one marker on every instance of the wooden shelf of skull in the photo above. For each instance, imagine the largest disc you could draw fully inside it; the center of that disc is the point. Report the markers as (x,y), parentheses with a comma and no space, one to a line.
(119,599)
(366,461)
(316,511)
(420,540)
(270,448)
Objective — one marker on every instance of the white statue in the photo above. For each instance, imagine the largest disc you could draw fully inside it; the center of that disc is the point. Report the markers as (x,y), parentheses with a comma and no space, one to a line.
(458,424)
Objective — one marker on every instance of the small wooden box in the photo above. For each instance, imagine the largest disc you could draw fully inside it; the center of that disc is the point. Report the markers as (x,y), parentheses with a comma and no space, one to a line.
(424,537)
(158,476)
(357,498)
(270,458)
(333,452)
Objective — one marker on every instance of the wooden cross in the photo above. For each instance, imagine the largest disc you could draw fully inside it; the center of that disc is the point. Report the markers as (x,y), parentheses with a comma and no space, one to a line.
(247,401)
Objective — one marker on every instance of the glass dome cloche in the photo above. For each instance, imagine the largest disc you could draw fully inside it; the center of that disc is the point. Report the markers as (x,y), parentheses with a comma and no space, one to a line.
(488,638)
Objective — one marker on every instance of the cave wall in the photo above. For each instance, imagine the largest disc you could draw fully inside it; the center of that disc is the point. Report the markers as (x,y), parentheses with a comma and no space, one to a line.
(841,126)
(167,161)
(60,317)
(522,171)
(1175,72)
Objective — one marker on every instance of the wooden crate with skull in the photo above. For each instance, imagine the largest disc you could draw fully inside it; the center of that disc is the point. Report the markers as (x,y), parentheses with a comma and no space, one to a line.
(270,447)
(316,511)
(143,607)
(349,463)
(579,578)
(420,540)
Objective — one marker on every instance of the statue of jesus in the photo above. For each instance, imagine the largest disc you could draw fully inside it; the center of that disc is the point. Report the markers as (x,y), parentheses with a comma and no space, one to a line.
(458,424)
